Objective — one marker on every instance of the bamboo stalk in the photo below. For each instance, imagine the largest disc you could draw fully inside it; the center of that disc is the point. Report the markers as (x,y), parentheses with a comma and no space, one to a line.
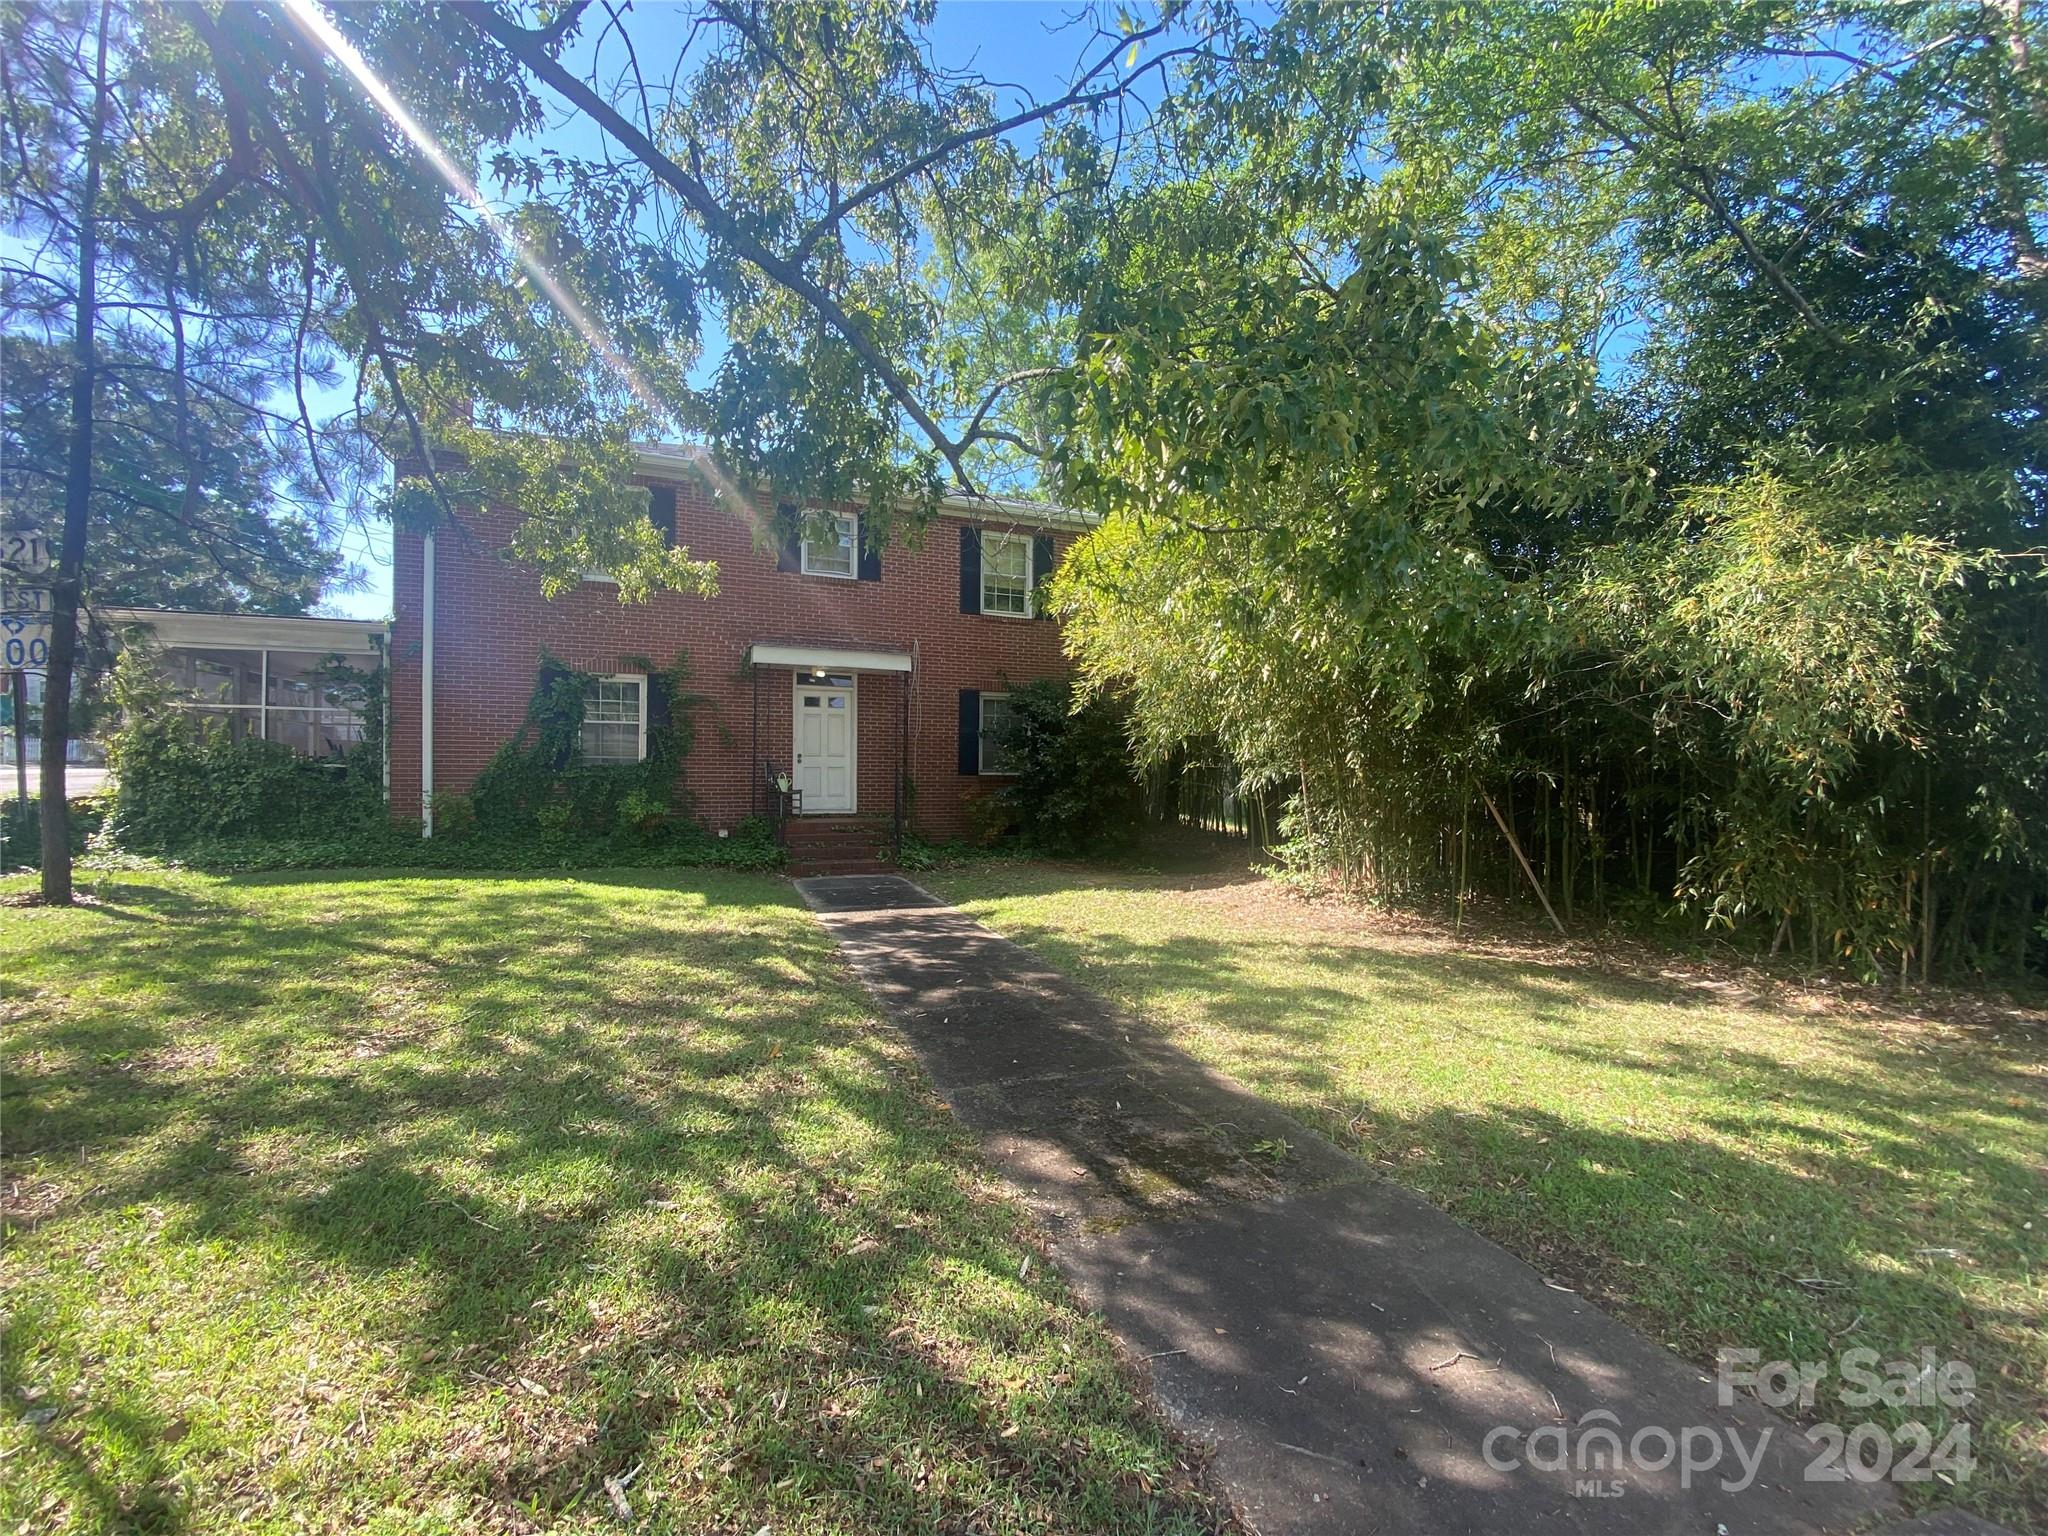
(1926,870)
(1522,858)
(1464,843)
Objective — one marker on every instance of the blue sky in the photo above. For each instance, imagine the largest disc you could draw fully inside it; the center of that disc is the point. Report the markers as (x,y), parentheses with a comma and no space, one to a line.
(1027,43)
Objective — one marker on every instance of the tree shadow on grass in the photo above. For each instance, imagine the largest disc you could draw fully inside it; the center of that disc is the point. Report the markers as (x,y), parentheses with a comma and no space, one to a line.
(1718,1174)
(1328,984)
(546,1133)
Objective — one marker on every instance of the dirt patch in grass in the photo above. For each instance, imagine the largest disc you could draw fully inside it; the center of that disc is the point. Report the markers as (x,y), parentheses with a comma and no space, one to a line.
(1728,978)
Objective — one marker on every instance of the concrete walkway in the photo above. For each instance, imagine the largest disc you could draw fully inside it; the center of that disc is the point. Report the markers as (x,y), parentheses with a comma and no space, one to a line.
(1346,1348)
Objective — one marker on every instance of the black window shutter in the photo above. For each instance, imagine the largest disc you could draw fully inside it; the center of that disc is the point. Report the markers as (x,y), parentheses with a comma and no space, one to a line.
(661,511)
(870,559)
(970,570)
(657,701)
(789,526)
(1041,572)
(970,730)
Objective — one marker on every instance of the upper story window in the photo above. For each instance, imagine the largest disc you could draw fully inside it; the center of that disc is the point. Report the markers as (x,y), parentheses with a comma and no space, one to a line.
(830,549)
(615,720)
(661,512)
(1006,575)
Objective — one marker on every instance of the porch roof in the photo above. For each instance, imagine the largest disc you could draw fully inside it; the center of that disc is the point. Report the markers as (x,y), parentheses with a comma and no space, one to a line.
(184,629)
(824,658)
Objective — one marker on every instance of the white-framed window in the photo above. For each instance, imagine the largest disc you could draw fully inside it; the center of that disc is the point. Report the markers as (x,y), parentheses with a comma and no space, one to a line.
(1006,575)
(266,694)
(615,720)
(995,718)
(829,549)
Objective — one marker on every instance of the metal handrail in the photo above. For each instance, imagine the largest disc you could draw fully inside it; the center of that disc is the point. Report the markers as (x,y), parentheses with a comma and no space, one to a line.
(782,803)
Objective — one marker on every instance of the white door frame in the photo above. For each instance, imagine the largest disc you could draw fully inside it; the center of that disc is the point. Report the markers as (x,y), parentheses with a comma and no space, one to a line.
(851,689)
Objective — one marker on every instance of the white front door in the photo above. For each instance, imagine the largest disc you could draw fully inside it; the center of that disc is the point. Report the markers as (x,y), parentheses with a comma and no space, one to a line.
(825,737)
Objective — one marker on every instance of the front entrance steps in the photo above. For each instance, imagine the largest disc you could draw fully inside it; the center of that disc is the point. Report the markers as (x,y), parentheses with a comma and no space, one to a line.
(839,845)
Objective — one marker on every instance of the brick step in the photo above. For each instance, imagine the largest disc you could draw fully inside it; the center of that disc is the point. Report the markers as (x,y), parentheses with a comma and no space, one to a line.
(799,868)
(841,835)
(838,845)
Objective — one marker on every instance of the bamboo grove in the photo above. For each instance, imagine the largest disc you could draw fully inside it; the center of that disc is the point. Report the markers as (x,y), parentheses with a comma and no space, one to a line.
(1638,474)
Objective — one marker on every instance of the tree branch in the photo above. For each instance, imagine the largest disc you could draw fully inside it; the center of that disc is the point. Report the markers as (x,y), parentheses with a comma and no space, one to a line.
(718,219)
(974,430)
(1698,183)
(1076,95)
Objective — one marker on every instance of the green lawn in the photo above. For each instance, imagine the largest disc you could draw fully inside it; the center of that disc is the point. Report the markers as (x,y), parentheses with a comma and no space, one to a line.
(434,1203)
(1721,1169)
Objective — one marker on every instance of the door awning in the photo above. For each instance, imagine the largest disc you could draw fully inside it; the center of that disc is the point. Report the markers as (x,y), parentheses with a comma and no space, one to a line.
(819,658)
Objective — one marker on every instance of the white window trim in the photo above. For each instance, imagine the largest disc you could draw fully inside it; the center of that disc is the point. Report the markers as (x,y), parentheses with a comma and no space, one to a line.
(1030,585)
(852,571)
(981,768)
(640,751)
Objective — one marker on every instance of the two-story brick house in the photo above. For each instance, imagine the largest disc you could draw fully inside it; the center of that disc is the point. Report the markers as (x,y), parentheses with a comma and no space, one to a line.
(871,678)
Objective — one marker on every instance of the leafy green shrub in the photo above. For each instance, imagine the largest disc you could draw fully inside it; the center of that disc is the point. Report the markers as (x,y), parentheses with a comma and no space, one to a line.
(398,845)
(754,830)
(188,792)
(1075,790)
(454,816)
(180,778)
(21,833)
(640,813)
(992,822)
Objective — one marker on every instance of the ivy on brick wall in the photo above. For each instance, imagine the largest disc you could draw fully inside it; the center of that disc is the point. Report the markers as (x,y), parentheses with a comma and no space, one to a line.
(538,781)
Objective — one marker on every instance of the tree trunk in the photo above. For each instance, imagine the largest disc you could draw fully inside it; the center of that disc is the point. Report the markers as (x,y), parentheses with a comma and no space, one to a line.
(2010,212)
(1926,918)
(1464,840)
(1568,834)
(64,589)
(1906,928)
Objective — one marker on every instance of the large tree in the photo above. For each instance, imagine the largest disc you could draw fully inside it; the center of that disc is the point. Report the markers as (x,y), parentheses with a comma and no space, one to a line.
(230,520)
(1681,514)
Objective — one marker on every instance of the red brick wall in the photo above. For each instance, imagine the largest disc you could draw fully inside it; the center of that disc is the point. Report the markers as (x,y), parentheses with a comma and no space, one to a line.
(491,625)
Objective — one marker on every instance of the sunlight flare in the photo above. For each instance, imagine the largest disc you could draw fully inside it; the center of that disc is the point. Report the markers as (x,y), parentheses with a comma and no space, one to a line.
(314,23)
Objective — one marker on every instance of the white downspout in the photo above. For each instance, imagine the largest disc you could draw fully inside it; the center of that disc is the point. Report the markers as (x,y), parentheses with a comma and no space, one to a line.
(427,689)
(384,717)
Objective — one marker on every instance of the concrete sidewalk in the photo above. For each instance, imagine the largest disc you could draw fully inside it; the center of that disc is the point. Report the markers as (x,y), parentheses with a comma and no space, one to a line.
(1345,1347)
